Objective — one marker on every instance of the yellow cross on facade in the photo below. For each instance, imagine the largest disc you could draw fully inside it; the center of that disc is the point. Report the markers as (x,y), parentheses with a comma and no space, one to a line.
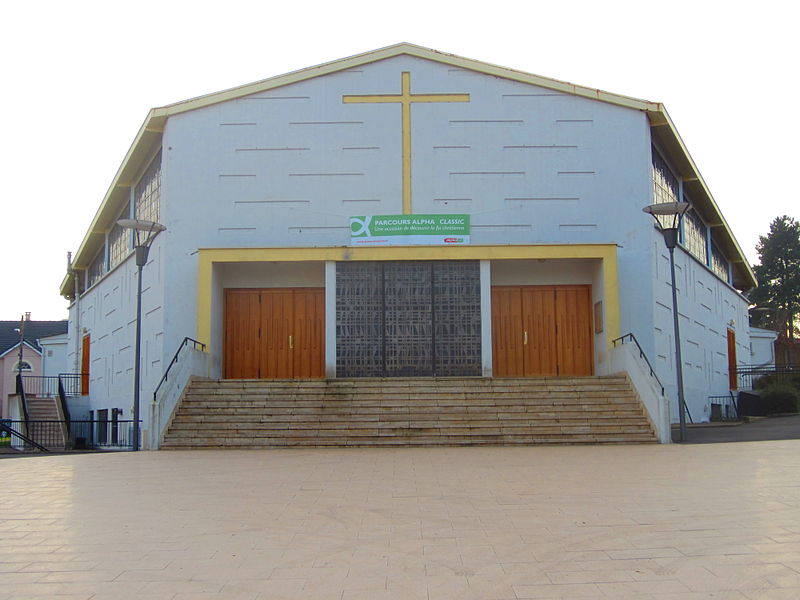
(405,98)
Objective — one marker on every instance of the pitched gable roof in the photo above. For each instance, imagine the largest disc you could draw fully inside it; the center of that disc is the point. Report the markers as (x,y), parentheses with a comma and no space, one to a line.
(9,338)
(664,133)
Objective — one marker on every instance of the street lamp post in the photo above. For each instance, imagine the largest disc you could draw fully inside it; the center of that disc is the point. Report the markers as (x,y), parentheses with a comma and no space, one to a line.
(145,232)
(21,331)
(668,215)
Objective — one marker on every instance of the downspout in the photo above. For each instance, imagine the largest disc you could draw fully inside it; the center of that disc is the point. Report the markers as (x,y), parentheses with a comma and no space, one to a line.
(76,365)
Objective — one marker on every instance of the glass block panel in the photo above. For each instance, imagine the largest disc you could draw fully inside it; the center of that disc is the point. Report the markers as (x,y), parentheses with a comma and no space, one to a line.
(119,241)
(719,264)
(147,193)
(97,268)
(694,236)
(665,186)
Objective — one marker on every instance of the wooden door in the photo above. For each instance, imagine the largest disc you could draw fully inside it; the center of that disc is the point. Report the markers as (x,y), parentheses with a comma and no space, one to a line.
(85,364)
(274,333)
(732,376)
(308,334)
(507,332)
(541,330)
(242,348)
(574,325)
(540,338)
(277,314)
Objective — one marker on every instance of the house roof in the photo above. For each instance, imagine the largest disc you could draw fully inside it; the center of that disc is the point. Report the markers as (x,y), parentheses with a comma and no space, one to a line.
(663,131)
(33,331)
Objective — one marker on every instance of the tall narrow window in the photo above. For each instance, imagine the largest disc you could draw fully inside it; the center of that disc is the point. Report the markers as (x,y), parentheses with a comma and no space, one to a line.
(147,194)
(694,236)
(665,186)
(97,268)
(719,263)
(119,240)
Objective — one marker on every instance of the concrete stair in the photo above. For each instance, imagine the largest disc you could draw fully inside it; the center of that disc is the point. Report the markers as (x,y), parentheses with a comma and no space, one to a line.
(408,412)
(46,424)
(42,409)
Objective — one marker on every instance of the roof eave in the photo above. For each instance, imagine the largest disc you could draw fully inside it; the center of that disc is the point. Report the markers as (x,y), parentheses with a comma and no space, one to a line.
(666,133)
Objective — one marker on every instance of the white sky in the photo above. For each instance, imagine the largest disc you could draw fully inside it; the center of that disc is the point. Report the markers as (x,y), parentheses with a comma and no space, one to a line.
(79,77)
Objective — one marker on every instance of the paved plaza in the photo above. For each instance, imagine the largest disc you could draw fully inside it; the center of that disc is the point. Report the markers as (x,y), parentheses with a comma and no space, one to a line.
(668,522)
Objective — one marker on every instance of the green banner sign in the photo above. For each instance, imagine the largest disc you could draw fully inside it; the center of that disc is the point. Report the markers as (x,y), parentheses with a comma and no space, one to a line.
(405,230)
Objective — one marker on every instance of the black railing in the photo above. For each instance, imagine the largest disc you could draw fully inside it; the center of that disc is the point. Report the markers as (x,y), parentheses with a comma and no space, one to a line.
(62,399)
(723,408)
(748,375)
(48,385)
(9,434)
(82,435)
(632,337)
(183,344)
(73,383)
(38,385)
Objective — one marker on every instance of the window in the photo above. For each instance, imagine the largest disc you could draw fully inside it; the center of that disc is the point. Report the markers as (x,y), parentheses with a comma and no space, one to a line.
(23,366)
(719,264)
(694,236)
(97,268)
(119,241)
(147,194)
(665,184)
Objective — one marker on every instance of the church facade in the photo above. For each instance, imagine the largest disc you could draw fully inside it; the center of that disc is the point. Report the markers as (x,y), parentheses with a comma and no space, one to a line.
(408,213)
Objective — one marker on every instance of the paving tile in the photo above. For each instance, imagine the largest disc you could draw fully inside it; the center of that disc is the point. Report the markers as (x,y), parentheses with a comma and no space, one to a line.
(665,522)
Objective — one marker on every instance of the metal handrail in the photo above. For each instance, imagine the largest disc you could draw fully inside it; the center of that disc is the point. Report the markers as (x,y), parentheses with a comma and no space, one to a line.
(22,436)
(185,341)
(62,398)
(621,340)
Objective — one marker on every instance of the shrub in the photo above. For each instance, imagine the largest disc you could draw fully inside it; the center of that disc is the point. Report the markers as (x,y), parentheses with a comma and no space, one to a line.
(767,381)
(780,397)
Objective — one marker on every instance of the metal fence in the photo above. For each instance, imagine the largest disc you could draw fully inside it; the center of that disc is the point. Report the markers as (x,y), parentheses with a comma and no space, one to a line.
(724,408)
(74,435)
(40,385)
(748,376)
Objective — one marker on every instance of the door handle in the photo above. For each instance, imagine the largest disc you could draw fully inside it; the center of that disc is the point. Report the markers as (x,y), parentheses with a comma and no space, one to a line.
(525,338)
(291,343)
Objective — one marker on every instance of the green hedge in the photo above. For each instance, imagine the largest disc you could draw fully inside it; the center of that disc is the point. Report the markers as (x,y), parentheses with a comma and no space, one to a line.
(780,397)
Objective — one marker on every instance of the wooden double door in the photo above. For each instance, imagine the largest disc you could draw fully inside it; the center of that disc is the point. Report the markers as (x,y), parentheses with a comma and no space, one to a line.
(274,333)
(542,330)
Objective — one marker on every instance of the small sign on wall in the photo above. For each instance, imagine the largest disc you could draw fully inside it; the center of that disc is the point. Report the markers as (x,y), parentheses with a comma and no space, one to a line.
(405,230)
(598,316)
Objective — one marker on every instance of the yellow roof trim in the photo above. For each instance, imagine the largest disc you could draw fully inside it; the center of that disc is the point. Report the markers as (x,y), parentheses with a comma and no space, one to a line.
(397,50)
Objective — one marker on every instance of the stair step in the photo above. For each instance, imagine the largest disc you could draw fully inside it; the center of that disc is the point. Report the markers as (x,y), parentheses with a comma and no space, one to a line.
(408,412)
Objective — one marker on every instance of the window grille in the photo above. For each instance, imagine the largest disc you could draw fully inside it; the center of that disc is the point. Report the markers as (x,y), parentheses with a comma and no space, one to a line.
(97,268)
(719,264)
(147,193)
(694,236)
(119,241)
(665,186)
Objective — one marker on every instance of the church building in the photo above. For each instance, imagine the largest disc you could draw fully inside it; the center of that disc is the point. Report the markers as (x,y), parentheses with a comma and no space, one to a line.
(407,213)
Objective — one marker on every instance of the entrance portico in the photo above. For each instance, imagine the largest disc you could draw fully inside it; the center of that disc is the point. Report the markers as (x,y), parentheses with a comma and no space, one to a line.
(594,267)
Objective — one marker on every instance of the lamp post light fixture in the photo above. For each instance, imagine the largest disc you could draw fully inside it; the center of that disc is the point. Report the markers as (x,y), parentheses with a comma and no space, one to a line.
(144,233)
(669,215)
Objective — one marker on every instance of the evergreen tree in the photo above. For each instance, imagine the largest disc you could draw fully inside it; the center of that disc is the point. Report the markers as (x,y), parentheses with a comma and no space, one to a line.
(777,298)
